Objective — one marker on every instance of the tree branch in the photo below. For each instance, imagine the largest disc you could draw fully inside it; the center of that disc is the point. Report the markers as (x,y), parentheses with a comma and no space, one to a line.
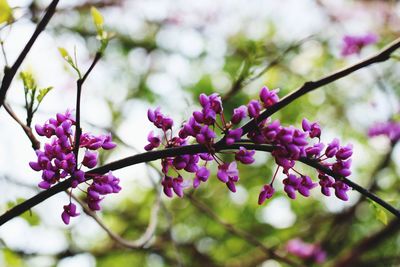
(28,131)
(170,152)
(79,84)
(239,232)
(132,244)
(9,73)
(309,86)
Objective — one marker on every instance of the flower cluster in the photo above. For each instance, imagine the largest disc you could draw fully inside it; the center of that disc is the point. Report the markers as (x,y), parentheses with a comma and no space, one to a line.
(58,161)
(306,251)
(289,144)
(354,44)
(390,129)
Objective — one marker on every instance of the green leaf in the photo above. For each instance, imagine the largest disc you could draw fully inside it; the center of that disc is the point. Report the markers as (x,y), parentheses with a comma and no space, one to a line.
(28,80)
(11,258)
(380,213)
(42,93)
(31,217)
(97,18)
(382,216)
(64,53)
(5,12)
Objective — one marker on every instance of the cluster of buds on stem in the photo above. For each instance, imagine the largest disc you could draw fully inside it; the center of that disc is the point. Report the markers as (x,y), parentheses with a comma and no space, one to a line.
(57,161)
(289,144)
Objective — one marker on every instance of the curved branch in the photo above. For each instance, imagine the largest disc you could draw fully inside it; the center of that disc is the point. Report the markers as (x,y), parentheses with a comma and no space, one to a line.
(9,73)
(184,150)
(132,244)
(28,131)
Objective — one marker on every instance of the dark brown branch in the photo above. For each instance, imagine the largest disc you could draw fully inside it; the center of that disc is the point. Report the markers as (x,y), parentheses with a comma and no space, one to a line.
(155,155)
(28,131)
(79,84)
(307,87)
(9,73)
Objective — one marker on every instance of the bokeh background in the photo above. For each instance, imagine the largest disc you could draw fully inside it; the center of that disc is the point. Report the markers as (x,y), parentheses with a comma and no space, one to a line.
(164,54)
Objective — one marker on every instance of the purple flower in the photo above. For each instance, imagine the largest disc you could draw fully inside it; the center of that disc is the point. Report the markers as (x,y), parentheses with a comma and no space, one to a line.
(253,108)
(326,183)
(180,162)
(228,173)
(90,159)
(212,102)
(344,152)
(107,142)
(271,131)
(268,97)
(305,186)
(291,184)
(306,251)
(69,211)
(154,141)
(102,185)
(167,185)
(342,167)
(341,190)
(47,130)
(245,156)
(354,44)
(391,129)
(332,148)
(233,135)
(266,193)
(191,165)
(202,175)
(177,186)
(315,150)
(313,129)
(285,163)
(205,135)
(171,185)
(78,177)
(159,120)
(239,114)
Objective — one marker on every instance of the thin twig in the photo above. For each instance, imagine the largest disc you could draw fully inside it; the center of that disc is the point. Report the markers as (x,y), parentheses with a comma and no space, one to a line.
(242,81)
(132,244)
(9,73)
(79,84)
(28,131)
(239,232)
(4,52)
